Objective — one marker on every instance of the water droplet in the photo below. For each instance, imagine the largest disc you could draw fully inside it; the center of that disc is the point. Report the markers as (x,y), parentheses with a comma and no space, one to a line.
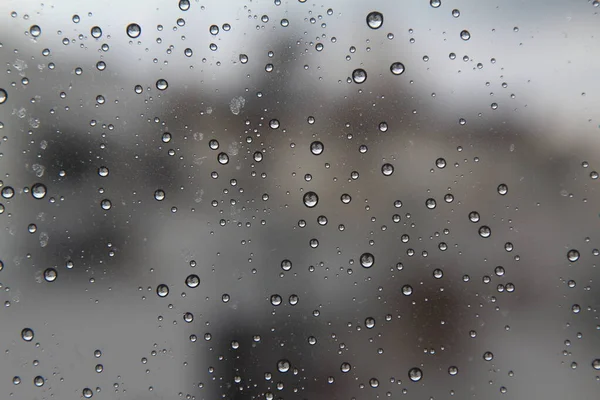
(138,89)
(162,84)
(397,68)
(375,20)
(387,169)
(407,290)
(38,191)
(440,163)
(87,393)
(435,3)
(596,364)
(438,273)
(485,231)
(283,366)
(50,274)
(16,380)
(286,265)
(370,323)
(373,382)
(474,216)
(488,356)
(502,189)
(367,260)
(105,204)
(359,75)
(415,374)
(316,148)
(184,5)
(134,30)
(465,35)
(162,290)
(274,124)
(27,334)
(345,367)
(573,255)
(35,30)
(452,370)
(310,199)
(96,32)
(430,203)
(159,195)
(223,158)
(192,281)
(38,381)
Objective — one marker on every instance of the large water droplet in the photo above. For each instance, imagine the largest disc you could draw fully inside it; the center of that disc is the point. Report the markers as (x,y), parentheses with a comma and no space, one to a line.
(573,255)
(430,203)
(38,191)
(415,374)
(359,75)
(370,323)
(3,96)
(367,260)
(465,35)
(502,189)
(435,3)
(96,32)
(35,30)
(485,231)
(316,148)
(283,366)
(345,367)
(162,290)
(162,84)
(387,169)
(27,334)
(192,281)
(310,199)
(488,356)
(375,20)
(397,68)
(50,274)
(38,381)
(134,30)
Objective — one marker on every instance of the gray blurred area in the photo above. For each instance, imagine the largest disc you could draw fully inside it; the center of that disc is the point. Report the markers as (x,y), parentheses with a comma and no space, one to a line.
(512,315)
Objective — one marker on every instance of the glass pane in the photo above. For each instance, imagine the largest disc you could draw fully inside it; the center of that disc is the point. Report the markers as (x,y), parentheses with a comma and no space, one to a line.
(299,199)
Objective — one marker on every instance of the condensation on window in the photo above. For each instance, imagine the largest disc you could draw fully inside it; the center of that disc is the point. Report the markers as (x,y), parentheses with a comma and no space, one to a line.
(299,199)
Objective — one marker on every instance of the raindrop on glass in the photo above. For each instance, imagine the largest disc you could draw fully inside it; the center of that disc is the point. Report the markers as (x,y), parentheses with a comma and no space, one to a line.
(359,75)
(375,20)
(38,191)
(133,30)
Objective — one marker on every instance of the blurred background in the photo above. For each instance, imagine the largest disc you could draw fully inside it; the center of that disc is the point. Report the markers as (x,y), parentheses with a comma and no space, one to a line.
(299,200)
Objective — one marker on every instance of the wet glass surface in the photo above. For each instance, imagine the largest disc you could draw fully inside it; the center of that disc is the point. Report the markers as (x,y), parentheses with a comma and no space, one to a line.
(299,199)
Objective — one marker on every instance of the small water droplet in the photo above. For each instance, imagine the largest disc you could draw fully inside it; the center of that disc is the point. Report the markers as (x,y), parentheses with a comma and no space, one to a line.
(3,96)
(38,381)
(435,3)
(430,203)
